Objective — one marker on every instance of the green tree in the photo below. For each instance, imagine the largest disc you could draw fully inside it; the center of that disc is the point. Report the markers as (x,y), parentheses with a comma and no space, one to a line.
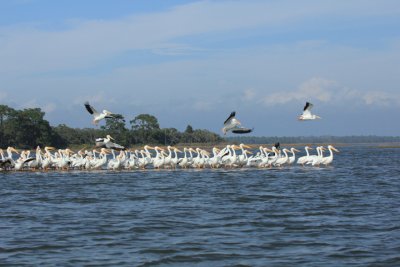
(5,113)
(145,122)
(145,129)
(116,128)
(189,129)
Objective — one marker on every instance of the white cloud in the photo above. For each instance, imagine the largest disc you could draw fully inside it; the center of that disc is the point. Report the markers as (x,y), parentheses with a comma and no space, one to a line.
(33,103)
(86,43)
(249,94)
(381,98)
(98,98)
(315,88)
(49,108)
(329,91)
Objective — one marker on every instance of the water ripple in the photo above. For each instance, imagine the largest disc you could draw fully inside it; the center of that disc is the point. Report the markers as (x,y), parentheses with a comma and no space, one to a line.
(344,215)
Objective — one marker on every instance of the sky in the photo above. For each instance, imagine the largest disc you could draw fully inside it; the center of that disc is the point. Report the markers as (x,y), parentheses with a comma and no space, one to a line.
(193,62)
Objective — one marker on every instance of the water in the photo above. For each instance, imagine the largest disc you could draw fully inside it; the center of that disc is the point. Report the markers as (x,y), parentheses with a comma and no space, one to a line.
(344,215)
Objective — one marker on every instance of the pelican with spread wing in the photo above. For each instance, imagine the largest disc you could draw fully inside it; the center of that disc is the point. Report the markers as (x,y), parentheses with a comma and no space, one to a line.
(307,113)
(96,115)
(106,142)
(232,124)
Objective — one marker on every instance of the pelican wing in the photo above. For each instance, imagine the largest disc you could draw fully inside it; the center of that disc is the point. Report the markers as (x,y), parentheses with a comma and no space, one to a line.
(100,142)
(111,145)
(307,109)
(242,130)
(91,109)
(277,145)
(231,116)
(5,162)
(308,106)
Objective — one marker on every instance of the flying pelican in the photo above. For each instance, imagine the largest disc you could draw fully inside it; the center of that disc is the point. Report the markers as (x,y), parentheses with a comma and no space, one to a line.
(108,144)
(307,113)
(234,125)
(96,115)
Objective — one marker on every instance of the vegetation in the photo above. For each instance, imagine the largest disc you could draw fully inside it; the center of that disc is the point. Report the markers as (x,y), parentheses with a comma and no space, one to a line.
(27,128)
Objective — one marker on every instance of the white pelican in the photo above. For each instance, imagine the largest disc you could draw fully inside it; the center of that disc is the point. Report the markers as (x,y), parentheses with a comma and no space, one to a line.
(48,158)
(184,162)
(108,144)
(282,160)
(242,158)
(328,160)
(4,162)
(96,115)
(307,113)
(174,161)
(303,160)
(234,125)
(316,161)
(215,160)
(159,159)
(293,157)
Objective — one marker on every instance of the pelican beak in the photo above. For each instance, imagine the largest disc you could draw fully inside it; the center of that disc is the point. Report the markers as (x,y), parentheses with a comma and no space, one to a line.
(112,138)
(206,153)
(246,146)
(248,152)
(14,150)
(334,149)
(296,150)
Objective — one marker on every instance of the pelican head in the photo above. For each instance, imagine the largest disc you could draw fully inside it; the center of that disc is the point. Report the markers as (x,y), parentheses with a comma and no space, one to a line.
(11,149)
(244,146)
(333,148)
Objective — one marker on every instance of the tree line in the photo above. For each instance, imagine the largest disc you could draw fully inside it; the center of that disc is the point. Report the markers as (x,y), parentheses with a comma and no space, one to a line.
(27,128)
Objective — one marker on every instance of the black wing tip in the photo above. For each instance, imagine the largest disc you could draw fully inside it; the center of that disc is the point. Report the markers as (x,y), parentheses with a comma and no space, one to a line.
(233,114)
(307,105)
(88,107)
(242,131)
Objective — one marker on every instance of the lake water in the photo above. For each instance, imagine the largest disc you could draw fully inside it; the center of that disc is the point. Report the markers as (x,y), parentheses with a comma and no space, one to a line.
(344,215)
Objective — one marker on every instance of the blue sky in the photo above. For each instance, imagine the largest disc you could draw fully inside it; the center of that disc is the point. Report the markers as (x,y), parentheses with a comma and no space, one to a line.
(193,62)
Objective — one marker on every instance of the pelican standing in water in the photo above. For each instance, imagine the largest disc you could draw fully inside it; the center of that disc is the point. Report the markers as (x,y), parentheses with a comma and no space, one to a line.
(234,125)
(328,160)
(96,115)
(307,113)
